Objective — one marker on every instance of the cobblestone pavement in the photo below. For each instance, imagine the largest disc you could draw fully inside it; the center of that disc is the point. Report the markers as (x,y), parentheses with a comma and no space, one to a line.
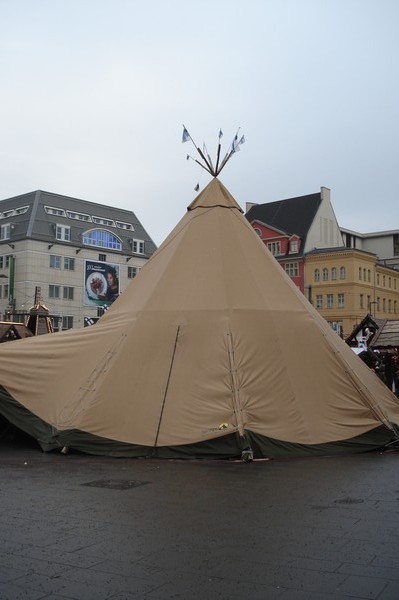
(93,528)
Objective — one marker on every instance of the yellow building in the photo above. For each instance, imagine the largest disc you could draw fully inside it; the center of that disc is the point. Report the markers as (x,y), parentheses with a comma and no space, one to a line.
(346,284)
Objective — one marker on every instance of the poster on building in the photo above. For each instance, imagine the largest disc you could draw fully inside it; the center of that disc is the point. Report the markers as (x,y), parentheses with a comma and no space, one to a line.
(101,283)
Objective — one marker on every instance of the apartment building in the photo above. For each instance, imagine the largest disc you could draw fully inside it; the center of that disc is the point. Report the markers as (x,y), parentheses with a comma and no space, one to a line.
(81,255)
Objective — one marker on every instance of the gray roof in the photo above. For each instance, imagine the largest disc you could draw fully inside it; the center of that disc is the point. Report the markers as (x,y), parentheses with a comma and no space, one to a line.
(386,332)
(292,216)
(36,223)
(387,335)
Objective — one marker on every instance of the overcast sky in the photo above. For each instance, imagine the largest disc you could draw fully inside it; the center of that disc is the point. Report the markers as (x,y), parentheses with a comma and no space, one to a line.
(94,94)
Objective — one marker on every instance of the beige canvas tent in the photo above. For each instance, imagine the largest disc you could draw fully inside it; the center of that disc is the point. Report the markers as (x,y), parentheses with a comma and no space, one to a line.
(211,351)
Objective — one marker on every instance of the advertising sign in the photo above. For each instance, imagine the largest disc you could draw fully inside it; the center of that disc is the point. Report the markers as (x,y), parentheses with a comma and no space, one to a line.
(101,283)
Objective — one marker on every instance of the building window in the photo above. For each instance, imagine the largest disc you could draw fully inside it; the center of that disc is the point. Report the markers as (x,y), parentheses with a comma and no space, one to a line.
(360,273)
(330,300)
(138,246)
(55,261)
(334,274)
(78,216)
(53,291)
(378,304)
(378,279)
(389,305)
(102,221)
(361,301)
(383,281)
(319,301)
(394,306)
(69,263)
(67,322)
(337,327)
(294,246)
(51,210)
(275,248)
(102,238)
(342,273)
(132,272)
(122,225)
(5,295)
(258,231)
(68,293)
(369,303)
(396,245)
(325,274)
(63,233)
(389,282)
(316,275)
(341,300)
(102,257)
(369,275)
(383,305)
(292,269)
(364,274)
(5,231)
(1,262)
(18,211)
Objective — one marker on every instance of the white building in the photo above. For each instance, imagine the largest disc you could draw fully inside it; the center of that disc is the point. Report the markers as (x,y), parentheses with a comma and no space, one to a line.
(71,249)
(385,244)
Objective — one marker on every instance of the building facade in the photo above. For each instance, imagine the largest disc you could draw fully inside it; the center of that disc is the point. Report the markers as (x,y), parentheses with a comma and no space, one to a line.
(344,274)
(291,228)
(80,254)
(346,284)
(385,244)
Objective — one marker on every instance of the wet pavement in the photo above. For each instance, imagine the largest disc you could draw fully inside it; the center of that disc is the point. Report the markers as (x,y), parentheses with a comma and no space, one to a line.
(94,528)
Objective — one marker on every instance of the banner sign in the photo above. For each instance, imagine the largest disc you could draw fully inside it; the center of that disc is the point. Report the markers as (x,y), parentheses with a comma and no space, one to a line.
(101,283)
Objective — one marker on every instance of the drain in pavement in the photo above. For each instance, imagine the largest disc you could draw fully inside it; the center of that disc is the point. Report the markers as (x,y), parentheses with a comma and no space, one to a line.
(116,484)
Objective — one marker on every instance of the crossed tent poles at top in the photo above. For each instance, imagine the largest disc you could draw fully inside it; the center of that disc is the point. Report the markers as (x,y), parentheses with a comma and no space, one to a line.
(206,161)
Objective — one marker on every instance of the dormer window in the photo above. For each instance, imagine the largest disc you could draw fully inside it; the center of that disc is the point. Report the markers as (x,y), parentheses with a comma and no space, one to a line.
(123,225)
(78,216)
(275,248)
(51,210)
(5,231)
(63,233)
(293,246)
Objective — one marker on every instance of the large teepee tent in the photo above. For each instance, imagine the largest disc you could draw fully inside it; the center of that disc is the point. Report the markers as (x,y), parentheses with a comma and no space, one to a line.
(211,351)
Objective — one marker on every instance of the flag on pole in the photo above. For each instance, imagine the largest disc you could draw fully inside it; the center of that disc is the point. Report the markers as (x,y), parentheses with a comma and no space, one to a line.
(235,147)
(186,135)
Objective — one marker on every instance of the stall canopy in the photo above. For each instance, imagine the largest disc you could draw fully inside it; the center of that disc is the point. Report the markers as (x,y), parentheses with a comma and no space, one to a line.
(211,351)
